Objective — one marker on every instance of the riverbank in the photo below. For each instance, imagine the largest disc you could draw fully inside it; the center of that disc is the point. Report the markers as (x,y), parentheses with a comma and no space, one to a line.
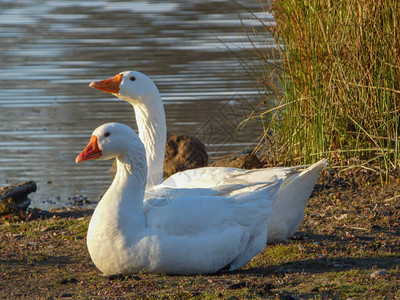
(350,231)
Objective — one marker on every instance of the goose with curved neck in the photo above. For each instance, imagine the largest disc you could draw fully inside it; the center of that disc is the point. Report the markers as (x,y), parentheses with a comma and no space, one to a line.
(201,231)
(150,116)
(139,90)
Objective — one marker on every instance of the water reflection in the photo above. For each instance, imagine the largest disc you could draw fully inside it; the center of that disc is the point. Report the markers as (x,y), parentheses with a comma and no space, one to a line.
(51,50)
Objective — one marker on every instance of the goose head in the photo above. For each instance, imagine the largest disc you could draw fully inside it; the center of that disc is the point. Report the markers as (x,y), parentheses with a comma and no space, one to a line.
(131,86)
(111,140)
(141,92)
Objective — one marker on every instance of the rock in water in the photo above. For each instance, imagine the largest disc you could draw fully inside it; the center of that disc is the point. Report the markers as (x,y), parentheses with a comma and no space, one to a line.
(18,193)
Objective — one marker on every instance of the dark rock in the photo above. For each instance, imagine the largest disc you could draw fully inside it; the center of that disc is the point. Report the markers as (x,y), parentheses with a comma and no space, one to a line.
(246,161)
(81,201)
(264,289)
(15,196)
(286,297)
(65,281)
(380,273)
(236,286)
(117,277)
(183,152)
(67,295)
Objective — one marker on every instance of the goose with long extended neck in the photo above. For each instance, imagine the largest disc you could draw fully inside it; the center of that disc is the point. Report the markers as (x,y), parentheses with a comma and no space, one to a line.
(141,92)
(202,230)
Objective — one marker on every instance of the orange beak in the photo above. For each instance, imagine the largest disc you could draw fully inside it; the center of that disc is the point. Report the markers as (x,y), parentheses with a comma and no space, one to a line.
(91,151)
(110,85)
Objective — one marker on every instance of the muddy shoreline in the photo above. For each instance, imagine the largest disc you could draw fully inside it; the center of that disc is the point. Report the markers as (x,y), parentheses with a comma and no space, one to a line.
(348,246)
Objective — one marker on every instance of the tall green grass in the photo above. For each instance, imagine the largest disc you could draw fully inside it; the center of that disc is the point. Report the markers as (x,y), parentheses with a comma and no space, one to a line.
(332,82)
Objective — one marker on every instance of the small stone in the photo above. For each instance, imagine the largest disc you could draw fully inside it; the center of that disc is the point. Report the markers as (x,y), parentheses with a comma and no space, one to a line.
(196,294)
(379,273)
(65,281)
(67,295)
(73,280)
(236,286)
(286,297)
(116,277)
(264,289)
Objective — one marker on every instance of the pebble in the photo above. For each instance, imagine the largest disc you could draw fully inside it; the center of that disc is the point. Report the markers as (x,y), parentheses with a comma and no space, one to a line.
(67,295)
(238,285)
(66,280)
(286,297)
(379,273)
(264,289)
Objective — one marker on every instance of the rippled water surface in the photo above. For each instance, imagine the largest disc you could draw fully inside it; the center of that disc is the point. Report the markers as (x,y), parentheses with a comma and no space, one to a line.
(52,50)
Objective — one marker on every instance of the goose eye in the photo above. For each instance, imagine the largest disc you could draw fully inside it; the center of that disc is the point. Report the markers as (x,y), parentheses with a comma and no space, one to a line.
(132,78)
(107,134)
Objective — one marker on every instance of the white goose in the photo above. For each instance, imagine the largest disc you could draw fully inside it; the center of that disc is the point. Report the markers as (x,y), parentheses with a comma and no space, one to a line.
(202,231)
(140,91)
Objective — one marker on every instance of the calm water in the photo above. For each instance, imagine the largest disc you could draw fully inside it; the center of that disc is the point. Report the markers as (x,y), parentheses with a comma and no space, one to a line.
(52,50)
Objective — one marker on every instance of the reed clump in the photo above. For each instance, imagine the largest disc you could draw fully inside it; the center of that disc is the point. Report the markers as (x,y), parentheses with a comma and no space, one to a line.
(332,82)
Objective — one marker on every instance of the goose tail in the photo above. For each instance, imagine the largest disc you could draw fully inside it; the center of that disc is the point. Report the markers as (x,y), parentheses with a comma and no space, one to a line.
(291,201)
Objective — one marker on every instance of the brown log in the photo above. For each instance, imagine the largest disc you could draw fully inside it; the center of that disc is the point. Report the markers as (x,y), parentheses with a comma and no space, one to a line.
(18,193)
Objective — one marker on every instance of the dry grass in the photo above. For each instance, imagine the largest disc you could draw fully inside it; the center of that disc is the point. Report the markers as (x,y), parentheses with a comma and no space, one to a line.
(332,83)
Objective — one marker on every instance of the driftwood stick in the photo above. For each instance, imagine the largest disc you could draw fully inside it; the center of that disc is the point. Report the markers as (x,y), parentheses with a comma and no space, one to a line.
(18,193)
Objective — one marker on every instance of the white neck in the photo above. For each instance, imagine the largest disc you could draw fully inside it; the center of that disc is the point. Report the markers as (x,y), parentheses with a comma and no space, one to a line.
(132,173)
(121,207)
(125,195)
(152,128)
